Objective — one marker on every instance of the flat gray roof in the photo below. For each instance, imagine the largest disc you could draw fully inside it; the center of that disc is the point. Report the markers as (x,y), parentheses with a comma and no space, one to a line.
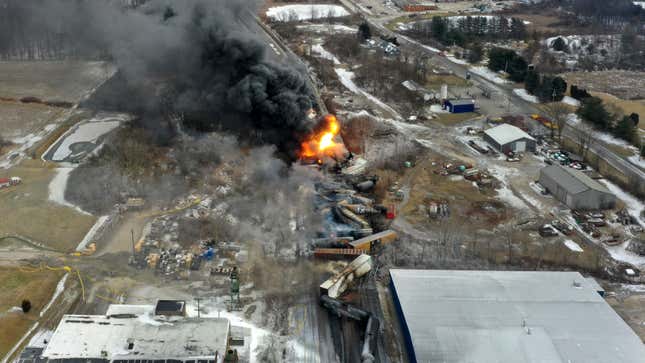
(511,316)
(108,337)
(572,180)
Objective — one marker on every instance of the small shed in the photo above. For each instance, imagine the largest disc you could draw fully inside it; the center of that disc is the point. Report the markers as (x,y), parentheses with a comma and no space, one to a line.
(575,189)
(460,106)
(506,138)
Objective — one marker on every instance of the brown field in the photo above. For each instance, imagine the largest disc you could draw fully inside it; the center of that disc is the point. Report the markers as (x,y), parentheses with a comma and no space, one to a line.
(20,119)
(51,80)
(27,212)
(437,80)
(16,285)
(454,118)
(626,85)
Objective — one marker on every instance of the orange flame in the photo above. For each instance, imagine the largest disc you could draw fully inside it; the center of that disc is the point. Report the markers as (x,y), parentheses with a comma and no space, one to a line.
(323,143)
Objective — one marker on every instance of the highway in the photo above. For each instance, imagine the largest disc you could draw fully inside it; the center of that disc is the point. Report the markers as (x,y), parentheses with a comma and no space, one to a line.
(633,173)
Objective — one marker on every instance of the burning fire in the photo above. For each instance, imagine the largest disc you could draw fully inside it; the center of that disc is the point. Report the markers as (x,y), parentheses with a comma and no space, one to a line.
(323,143)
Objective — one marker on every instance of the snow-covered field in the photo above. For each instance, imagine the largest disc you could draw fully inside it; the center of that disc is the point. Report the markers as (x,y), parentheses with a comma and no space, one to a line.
(300,12)
(523,94)
(489,75)
(347,79)
(571,101)
(323,53)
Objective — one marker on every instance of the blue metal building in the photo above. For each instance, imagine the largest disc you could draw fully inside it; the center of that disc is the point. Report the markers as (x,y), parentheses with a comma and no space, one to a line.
(460,106)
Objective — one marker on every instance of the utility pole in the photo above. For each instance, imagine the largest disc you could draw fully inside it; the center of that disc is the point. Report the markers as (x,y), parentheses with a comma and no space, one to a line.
(132,260)
(199,315)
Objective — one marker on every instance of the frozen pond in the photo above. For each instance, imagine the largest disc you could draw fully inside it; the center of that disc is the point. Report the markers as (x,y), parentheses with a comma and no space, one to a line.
(84,137)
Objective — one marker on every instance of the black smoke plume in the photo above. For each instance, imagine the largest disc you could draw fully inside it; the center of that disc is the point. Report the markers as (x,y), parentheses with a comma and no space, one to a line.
(203,64)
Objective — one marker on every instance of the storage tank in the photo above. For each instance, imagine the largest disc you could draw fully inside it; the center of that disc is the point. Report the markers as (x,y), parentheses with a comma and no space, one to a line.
(444,91)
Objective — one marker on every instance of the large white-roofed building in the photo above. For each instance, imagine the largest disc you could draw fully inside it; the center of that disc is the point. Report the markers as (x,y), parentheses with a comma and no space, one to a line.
(505,138)
(509,316)
(137,334)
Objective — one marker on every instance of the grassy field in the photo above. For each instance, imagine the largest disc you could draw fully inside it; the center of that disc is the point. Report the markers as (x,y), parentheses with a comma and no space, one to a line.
(27,211)
(52,80)
(16,285)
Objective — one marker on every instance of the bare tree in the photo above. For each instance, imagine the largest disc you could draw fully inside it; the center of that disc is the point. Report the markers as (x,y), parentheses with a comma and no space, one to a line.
(586,137)
(559,114)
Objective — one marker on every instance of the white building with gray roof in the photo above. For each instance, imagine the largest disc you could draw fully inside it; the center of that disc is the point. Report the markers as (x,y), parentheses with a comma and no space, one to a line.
(505,138)
(509,316)
(575,189)
(136,334)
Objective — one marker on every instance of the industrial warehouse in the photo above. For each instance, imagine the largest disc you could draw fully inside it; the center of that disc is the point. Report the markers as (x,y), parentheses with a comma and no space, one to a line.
(505,138)
(509,316)
(575,189)
(129,333)
(347,181)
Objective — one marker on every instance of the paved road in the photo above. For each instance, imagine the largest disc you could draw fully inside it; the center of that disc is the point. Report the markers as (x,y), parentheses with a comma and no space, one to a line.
(634,173)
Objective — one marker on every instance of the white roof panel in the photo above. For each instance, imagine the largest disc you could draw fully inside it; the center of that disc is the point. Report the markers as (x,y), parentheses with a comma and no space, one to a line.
(506,133)
(105,337)
(511,316)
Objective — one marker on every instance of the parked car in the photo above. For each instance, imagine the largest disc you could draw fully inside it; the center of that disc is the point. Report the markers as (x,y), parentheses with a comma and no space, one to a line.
(597,222)
(563,227)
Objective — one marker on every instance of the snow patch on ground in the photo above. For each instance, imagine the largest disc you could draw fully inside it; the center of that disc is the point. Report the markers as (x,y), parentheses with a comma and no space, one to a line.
(609,139)
(572,245)
(637,160)
(327,28)
(59,289)
(523,94)
(536,203)
(456,60)
(573,119)
(632,203)
(571,101)
(347,79)
(438,109)
(24,143)
(323,53)
(57,188)
(504,192)
(620,253)
(489,75)
(302,12)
